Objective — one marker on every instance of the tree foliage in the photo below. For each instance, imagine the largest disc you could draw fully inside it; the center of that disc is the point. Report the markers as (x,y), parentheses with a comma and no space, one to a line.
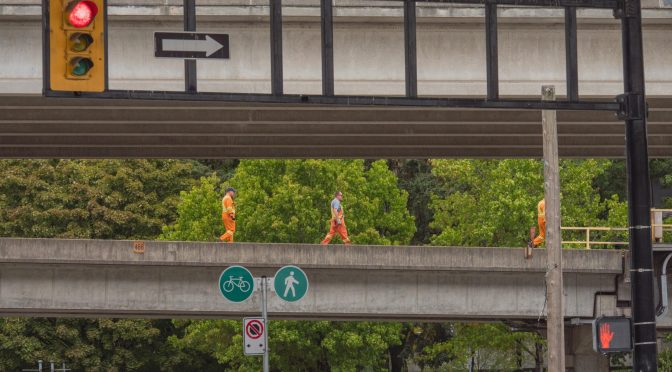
(107,199)
(493,203)
(490,346)
(288,201)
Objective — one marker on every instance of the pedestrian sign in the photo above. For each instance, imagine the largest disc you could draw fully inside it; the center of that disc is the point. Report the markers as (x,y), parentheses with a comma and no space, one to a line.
(290,283)
(254,336)
(236,284)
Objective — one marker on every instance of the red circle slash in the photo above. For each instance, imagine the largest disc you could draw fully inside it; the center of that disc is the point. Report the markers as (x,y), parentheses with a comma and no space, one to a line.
(254,329)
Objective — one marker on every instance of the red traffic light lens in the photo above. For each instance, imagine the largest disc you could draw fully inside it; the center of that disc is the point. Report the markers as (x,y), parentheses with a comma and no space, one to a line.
(82,13)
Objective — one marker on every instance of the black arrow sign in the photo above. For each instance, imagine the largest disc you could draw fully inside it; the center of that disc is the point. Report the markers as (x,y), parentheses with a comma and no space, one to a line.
(191,45)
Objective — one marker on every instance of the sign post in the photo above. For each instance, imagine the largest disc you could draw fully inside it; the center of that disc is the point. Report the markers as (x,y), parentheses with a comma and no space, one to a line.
(237,284)
(264,314)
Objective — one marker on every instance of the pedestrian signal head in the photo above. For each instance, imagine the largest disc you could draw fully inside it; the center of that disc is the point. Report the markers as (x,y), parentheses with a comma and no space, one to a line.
(612,334)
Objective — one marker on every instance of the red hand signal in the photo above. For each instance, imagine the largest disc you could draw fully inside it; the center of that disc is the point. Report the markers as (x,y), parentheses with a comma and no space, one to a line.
(605,335)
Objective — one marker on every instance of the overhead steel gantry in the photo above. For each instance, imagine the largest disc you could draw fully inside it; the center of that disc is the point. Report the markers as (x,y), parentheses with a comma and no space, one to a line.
(629,106)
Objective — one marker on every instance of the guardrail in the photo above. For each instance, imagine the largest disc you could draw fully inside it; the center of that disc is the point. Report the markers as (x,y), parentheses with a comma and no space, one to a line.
(658,229)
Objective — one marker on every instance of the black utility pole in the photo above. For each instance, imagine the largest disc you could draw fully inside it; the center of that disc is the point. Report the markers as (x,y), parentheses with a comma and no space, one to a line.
(639,189)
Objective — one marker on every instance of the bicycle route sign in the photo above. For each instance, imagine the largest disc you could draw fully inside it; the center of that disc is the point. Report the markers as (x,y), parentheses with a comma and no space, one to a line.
(236,283)
(290,283)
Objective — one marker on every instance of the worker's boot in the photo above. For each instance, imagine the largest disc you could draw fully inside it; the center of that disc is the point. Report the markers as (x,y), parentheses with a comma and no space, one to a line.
(226,238)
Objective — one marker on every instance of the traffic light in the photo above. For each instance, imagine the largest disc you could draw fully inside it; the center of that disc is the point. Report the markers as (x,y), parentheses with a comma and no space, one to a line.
(77,39)
(612,334)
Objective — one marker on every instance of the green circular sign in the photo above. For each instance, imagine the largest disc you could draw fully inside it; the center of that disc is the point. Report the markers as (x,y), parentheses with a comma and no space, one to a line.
(290,283)
(236,283)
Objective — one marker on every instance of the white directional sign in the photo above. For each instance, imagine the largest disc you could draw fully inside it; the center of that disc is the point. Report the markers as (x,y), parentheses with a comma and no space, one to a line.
(254,336)
(191,45)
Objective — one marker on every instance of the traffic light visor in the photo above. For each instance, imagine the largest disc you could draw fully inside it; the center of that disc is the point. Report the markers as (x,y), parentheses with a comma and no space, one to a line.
(79,42)
(80,66)
(81,13)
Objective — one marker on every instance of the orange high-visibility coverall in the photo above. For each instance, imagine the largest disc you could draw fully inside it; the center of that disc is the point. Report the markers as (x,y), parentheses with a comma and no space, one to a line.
(336,227)
(229,218)
(541,221)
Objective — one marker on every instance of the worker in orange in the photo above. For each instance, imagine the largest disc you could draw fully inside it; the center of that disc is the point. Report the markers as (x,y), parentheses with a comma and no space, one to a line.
(337,221)
(229,215)
(541,221)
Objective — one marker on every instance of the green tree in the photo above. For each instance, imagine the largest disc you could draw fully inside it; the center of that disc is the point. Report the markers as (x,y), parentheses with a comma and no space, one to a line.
(415,177)
(488,346)
(109,199)
(288,201)
(493,203)
(198,213)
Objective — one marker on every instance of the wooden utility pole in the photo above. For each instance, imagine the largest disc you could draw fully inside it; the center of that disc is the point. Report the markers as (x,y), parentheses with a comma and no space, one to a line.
(554,287)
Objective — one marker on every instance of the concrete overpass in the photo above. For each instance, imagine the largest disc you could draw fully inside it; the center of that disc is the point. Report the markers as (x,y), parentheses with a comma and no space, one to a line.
(94,278)
(102,278)
(368,40)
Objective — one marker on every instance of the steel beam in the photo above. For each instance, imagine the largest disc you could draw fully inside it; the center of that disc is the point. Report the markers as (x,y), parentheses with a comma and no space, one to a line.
(605,4)
(190,77)
(276,47)
(410,50)
(491,55)
(571,57)
(348,100)
(327,28)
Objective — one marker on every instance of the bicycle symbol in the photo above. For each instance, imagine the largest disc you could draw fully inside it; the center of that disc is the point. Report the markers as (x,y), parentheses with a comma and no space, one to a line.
(235,282)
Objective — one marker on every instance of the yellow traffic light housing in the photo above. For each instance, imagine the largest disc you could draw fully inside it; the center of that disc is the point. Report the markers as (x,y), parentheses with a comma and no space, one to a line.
(77,39)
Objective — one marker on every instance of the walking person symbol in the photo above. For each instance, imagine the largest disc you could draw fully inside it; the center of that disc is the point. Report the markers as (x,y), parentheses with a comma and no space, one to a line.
(289,284)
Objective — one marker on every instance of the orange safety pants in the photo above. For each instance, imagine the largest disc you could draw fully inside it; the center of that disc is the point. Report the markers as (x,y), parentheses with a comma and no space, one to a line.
(230,227)
(541,221)
(337,228)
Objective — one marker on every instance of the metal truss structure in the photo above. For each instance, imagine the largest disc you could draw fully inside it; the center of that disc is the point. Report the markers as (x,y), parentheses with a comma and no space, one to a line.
(629,106)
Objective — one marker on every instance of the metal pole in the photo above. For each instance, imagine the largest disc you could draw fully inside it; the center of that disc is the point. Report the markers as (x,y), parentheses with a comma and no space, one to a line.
(410,49)
(327,12)
(491,55)
(554,288)
(276,47)
(639,191)
(571,56)
(190,82)
(264,314)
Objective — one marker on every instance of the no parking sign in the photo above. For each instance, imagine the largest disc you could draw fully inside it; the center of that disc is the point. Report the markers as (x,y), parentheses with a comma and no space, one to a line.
(254,336)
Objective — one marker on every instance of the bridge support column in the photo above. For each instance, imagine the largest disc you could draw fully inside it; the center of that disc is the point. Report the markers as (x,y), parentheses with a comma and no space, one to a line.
(580,355)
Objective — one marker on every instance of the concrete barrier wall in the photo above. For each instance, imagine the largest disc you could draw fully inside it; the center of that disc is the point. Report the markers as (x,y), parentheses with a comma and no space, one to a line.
(171,279)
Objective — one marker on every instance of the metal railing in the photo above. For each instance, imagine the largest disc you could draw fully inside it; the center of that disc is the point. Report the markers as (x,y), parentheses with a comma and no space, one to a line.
(588,242)
(657,231)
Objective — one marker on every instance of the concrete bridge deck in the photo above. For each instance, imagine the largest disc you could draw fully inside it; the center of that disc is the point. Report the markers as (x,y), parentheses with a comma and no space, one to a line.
(49,277)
